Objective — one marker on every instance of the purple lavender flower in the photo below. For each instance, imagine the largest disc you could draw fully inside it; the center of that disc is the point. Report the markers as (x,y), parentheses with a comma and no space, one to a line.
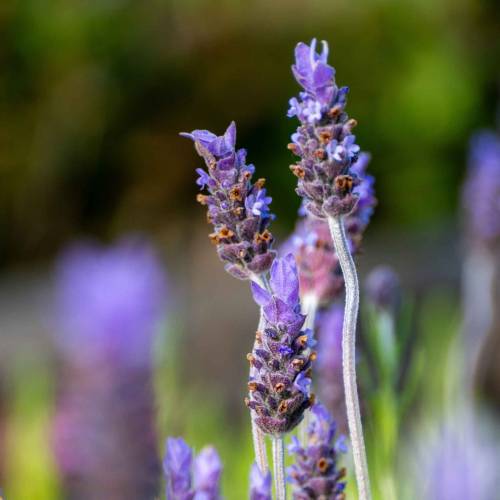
(329,366)
(459,462)
(260,484)
(312,245)
(238,209)
(315,473)
(282,356)
(324,141)
(177,466)
(191,480)
(207,473)
(109,301)
(383,288)
(482,188)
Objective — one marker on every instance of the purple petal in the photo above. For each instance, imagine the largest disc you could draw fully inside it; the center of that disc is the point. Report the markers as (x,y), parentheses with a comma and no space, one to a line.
(285,279)
(261,296)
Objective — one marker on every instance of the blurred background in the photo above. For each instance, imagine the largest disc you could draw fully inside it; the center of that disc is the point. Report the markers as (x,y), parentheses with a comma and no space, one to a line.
(93,95)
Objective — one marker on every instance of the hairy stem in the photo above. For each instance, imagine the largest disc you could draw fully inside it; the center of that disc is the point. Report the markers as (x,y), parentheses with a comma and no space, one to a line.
(279,467)
(337,230)
(309,307)
(259,439)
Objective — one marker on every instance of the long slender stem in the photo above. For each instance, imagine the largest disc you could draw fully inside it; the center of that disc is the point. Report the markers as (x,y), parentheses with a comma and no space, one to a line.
(259,446)
(279,467)
(259,439)
(337,230)
(309,307)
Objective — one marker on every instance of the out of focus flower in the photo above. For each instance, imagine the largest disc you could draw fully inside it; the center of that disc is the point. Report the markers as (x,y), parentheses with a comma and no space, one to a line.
(315,472)
(260,484)
(238,209)
(329,366)
(458,463)
(281,359)
(188,479)
(324,141)
(383,288)
(207,472)
(109,302)
(177,466)
(481,192)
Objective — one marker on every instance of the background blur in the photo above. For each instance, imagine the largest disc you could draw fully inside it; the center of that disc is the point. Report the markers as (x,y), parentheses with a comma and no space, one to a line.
(92,96)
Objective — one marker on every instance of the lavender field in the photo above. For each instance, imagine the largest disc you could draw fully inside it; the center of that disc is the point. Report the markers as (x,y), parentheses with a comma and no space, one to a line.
(249,250)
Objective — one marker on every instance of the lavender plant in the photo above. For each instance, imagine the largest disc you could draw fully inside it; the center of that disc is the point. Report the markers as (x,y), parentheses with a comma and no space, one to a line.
(327,151)
(481,202)
(109,301)
(481,193)
(239,211)
(188,478)
(315,473)
(281,360)
(282,357)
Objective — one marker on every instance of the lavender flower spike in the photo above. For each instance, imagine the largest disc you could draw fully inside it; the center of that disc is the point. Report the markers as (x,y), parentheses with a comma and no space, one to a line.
(177,466)
(240,214)
(315,473)
(260,484)
(109,302)
(282,357)
(481,192)
(326,180)
(207,474)
(323,142)
(188,479)
(238,209)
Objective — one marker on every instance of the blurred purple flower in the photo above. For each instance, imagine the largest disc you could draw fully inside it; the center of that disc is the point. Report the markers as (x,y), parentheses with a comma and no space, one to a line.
(329,365)
(260,484)
(238,209)
(458,463)
(207,473)
(481,193)
(109,302)
(281,359)
(383,288)
(177,466)
(188,479)
(315,473)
